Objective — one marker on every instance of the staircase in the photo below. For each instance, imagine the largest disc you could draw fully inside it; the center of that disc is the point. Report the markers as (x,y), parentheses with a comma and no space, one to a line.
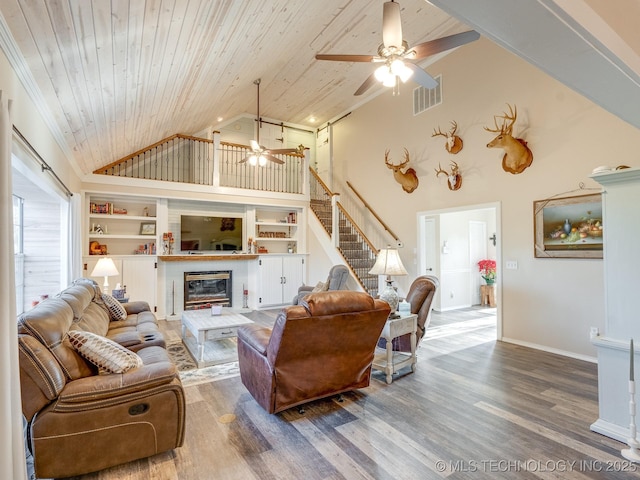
(355,248)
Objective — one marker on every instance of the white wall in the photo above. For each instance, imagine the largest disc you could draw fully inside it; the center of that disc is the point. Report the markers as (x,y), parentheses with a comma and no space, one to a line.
(546,302)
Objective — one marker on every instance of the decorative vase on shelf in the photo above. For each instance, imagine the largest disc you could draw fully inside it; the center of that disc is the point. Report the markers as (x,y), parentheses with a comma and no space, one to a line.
(567,226)
(489,281)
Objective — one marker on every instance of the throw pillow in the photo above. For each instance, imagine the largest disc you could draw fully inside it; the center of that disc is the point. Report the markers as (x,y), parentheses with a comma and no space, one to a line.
(105,354)
(116,310)
(320,287)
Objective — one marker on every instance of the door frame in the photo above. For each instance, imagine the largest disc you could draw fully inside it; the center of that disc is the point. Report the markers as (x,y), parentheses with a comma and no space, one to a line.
(436,213)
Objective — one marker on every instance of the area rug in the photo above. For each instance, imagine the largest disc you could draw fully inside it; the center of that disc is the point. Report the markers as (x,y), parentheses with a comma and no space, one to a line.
(191,375)
(214,373)
(181,357)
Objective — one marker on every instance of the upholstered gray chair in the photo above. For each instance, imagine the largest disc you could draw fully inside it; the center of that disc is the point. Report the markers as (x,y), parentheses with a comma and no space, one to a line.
(337,280)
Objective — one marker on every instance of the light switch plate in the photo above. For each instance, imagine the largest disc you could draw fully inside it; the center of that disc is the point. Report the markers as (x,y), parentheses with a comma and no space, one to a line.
(511,265)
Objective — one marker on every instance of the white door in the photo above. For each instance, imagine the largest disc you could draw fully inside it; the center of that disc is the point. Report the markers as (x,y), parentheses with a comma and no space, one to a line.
(429,247)
(270,280)
(477,252)
(292,274)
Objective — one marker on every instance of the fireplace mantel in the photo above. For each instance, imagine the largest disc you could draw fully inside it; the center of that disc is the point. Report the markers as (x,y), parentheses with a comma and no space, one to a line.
(208,258)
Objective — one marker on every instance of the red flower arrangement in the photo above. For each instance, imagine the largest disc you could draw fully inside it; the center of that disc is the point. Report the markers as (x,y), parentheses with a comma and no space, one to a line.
(488,270)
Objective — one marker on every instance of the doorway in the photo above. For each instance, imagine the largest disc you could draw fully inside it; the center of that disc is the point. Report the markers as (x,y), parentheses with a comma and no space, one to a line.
(451,242)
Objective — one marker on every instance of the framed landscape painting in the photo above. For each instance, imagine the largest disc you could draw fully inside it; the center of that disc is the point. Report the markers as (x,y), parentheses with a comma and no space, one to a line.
(569,227)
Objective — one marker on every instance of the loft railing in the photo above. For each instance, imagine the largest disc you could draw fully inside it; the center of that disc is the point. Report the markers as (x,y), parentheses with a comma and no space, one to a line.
(273,177)
(200,161)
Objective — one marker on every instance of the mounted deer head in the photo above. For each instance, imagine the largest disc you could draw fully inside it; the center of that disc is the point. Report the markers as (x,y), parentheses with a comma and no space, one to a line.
(454,178)
(454,142)
(408,179)
(517,156)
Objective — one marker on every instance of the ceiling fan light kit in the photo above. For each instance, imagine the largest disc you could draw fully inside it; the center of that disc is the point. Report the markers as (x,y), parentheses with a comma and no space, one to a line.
(398,57)
(260,155)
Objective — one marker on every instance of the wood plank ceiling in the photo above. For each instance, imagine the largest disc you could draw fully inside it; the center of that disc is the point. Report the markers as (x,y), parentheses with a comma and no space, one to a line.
(122,74)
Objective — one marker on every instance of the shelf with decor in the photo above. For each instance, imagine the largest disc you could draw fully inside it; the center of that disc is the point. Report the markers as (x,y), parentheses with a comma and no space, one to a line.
(119,225)
(276,231)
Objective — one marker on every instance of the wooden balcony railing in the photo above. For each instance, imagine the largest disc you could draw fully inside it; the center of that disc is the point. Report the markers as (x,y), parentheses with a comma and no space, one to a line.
(200,161)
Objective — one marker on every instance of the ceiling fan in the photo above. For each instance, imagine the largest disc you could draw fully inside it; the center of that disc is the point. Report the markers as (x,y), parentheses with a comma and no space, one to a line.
(397,56)
(260,155)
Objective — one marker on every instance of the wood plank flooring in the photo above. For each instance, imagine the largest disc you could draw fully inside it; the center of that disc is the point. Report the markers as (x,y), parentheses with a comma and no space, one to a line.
(474,408)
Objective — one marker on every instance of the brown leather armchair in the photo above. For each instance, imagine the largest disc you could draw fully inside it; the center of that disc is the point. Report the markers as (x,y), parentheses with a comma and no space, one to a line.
(322,347)
(420,296)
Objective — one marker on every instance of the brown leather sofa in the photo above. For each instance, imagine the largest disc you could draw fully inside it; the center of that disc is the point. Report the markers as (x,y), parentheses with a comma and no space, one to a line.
(322,347)
(81,421)
(420,296)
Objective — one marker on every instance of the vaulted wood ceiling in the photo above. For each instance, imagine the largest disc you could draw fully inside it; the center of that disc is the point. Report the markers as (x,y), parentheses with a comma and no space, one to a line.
(118,75)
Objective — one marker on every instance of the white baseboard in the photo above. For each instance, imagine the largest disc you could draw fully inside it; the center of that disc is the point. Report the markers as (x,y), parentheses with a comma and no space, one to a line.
(610,430)
(544,348)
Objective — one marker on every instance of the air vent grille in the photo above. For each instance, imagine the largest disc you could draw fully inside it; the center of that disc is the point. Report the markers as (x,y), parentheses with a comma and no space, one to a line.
(426,98)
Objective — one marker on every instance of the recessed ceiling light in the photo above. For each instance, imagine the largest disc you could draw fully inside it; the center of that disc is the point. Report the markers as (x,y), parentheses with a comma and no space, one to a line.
(313,119)
(220,119)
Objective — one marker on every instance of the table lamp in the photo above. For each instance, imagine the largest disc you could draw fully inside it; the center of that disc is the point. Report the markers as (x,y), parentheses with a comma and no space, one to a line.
(105,268)
(388,263)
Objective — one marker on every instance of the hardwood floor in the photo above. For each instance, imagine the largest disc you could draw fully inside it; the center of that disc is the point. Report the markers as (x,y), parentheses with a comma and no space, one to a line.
(474,408)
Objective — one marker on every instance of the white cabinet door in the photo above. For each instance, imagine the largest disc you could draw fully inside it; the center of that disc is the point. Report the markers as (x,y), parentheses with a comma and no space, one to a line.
(270,275)
(137,273)
(279,279)
(293,276)
(139,276)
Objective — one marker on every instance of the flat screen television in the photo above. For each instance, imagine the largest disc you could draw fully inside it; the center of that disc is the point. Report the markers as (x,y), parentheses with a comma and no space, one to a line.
(210,233)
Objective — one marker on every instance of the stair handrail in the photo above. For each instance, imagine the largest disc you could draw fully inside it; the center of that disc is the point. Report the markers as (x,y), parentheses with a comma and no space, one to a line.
(322,184)
(355,225)
(368,207)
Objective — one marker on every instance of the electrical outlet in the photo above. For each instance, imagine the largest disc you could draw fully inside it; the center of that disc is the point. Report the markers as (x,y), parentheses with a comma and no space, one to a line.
(511,265)
(593,332)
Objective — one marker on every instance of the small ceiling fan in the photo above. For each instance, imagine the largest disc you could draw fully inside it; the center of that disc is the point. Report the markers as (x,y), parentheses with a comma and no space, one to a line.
(397,56)
(259,154)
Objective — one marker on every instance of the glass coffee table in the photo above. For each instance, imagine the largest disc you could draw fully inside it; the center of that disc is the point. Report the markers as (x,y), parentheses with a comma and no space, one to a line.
(221,329)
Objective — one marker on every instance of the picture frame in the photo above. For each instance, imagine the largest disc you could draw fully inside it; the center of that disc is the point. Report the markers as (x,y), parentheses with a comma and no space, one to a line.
(147,228)
(568,227)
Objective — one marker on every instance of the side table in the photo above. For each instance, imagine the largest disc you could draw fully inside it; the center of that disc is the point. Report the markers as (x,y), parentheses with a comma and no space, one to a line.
(389,361)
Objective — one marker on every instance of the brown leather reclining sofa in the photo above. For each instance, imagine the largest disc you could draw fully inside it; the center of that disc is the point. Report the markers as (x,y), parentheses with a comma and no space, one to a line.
(322,347)
(80,420)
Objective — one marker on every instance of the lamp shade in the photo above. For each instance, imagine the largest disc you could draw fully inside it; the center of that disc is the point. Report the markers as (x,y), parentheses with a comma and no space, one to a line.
(104,268)
(388,263)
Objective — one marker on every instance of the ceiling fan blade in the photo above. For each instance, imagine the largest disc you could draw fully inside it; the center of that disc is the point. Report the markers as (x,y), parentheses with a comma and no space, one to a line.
(283,150)
(391,25)
(345,58)
(245,159)
(443,44)
(421,77)
(255,146)
(273,159)
(368,83)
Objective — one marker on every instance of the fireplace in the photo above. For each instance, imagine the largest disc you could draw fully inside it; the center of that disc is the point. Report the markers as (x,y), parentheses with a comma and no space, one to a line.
(203,289)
